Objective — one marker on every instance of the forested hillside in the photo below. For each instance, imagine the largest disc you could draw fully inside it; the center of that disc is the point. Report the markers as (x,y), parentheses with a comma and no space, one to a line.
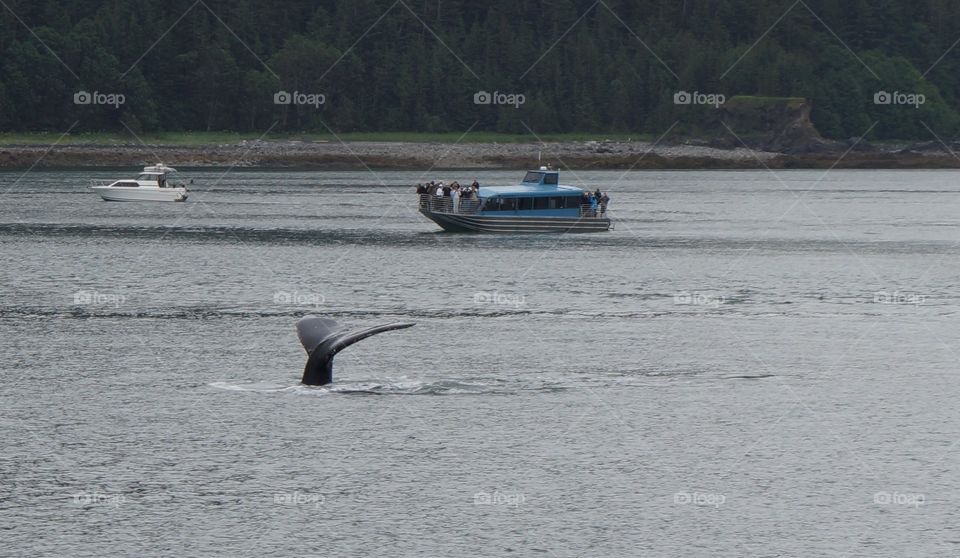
(416,65)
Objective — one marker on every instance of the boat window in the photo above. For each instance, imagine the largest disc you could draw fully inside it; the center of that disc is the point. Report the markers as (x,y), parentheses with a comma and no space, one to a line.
(491,204)
(508,204)
(524,204)
(573,201)
(532,177)
(540,203)
(551,178)
(146,177)
(555,203)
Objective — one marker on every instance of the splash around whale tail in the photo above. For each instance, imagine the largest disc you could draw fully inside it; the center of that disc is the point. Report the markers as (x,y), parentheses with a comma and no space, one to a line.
(323,338)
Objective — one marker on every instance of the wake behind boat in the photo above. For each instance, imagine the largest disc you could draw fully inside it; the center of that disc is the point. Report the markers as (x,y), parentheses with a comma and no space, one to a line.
(155,183)
(538,204)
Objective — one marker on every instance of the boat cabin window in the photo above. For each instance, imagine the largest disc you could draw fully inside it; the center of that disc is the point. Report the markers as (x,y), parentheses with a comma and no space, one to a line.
(562,202)
(533,177)
(527,204)
(551,178)
(500,204)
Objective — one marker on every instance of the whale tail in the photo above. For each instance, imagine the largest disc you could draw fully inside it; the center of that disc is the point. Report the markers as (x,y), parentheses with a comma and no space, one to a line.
(323,338)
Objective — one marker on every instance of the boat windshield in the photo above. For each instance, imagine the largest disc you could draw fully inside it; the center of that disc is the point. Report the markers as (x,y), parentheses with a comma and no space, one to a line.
(535,177)
(151,177)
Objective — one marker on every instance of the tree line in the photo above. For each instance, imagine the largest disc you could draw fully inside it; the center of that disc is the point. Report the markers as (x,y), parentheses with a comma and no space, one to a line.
(518,66)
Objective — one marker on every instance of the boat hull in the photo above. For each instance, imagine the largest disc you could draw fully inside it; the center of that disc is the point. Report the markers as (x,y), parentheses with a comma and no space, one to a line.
(457,222)
(114,193)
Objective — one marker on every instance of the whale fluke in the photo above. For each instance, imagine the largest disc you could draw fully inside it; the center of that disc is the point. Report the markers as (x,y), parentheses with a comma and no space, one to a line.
(323,338)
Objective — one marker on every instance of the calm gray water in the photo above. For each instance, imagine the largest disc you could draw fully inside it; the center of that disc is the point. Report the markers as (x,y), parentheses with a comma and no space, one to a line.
(749,365)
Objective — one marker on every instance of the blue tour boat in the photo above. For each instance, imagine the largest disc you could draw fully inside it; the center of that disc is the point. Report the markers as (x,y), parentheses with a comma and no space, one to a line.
(538,204)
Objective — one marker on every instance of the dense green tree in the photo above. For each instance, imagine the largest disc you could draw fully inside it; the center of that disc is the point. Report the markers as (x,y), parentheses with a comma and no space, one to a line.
(383,65)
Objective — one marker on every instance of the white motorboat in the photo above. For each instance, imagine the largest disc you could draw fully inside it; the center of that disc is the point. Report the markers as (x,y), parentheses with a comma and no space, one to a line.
(155,183)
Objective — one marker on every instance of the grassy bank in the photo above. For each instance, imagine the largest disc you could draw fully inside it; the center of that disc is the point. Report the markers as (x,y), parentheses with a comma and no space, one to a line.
(213,138)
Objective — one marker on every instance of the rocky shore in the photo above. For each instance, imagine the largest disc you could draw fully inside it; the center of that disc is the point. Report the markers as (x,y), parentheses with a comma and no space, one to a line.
(688,154)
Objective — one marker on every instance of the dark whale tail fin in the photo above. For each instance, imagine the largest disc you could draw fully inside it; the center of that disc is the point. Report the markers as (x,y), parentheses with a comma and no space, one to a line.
(313,330)
(323,338)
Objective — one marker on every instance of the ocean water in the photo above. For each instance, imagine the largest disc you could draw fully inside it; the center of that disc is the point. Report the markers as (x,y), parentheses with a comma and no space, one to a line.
(750,364)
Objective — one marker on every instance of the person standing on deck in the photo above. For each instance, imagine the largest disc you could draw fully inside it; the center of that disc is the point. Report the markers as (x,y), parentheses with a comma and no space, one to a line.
(445,200)
(436,196)
(455,196)
(604,200)
(421,195)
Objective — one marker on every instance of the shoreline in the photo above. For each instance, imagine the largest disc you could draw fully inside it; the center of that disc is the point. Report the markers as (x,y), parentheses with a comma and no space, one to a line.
(576,155)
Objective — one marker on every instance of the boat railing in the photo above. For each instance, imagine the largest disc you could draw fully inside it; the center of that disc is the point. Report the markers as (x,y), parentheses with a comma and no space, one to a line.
(591,212)
(444,204)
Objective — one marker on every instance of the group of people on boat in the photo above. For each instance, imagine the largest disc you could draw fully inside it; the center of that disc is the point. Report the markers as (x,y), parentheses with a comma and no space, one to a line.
(596,200)
(453,194)
(449,190)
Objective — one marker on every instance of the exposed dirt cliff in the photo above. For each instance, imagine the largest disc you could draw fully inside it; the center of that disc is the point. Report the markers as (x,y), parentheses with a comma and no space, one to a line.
(774,124)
